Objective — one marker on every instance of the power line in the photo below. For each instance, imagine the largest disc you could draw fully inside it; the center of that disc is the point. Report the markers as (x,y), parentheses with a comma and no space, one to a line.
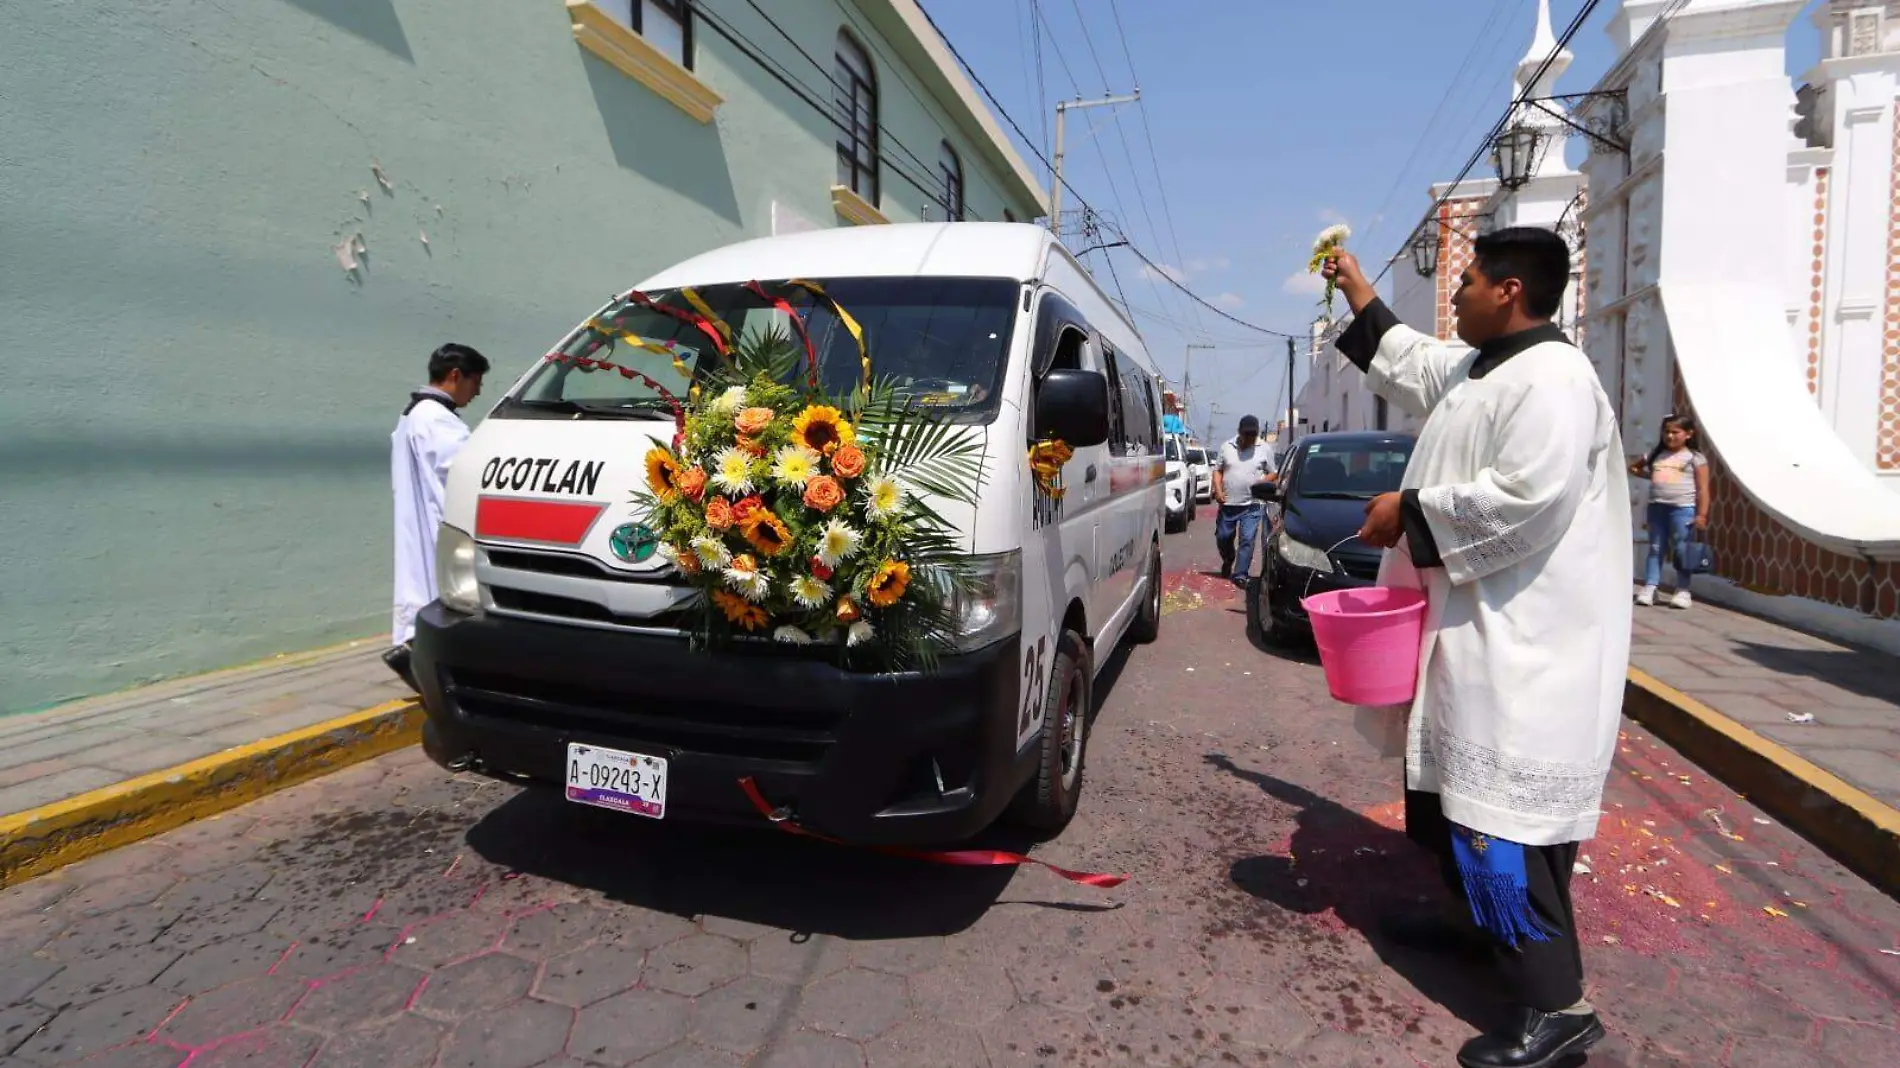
(1530,85)
(989,95)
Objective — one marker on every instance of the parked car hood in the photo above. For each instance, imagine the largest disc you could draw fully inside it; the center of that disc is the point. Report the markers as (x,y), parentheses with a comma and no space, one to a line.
(1324,522)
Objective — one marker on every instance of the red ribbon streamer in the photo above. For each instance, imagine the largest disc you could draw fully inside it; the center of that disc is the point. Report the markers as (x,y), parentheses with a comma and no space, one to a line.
(964,858)
(700,322)
(673,402)
(798,324)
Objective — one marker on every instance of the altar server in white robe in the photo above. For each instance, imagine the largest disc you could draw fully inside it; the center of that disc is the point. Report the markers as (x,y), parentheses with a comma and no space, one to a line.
(426,440)
(1514,519)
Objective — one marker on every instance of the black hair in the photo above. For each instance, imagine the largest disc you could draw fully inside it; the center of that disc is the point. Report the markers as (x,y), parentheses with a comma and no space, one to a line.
(1536,257)
(1672,419)
(454,357)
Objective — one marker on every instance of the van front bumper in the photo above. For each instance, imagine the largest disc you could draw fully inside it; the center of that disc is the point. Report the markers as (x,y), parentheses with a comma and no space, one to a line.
(854,755)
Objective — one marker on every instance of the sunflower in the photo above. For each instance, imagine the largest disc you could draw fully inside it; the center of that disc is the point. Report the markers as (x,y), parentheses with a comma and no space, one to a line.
(766,533)
(822,429)
(738,611)
(663,473)
(732,470)
(795,465)
(888,584)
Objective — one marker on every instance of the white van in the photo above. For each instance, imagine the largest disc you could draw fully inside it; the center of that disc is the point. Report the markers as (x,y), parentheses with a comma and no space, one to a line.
(560,645)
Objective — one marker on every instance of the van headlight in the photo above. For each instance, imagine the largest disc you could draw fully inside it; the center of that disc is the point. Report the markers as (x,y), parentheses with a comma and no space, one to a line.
(991,607)
(455,581)
(1300,554)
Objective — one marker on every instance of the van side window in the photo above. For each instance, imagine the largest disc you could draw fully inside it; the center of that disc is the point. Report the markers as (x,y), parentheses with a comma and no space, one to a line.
(1068,349)
(1139,410)
(1117,403)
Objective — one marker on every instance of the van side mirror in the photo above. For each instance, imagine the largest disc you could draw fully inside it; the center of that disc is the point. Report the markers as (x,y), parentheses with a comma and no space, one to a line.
(1265,491)
(1072,405)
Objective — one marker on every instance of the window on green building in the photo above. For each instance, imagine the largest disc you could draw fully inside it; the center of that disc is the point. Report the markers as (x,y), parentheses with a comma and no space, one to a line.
(855,100)
(950,174)
(667,25)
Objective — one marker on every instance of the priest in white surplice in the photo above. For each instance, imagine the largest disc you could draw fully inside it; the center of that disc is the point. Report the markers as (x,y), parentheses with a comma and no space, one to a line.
(425,441)
(1514,519)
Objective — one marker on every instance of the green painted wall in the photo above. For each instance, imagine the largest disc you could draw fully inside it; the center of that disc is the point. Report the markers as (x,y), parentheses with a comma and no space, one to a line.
(197,400)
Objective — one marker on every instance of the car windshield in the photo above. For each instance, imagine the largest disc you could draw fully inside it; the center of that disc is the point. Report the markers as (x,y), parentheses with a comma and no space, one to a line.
(944,339)
(1197,456)
(1173,450)
(1354,469)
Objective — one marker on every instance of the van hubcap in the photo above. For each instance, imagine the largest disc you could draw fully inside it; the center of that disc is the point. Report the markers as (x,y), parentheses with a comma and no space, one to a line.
(1074,726)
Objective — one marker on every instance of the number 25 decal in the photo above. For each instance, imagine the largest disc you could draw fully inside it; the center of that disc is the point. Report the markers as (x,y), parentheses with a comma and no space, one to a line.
(1034,675)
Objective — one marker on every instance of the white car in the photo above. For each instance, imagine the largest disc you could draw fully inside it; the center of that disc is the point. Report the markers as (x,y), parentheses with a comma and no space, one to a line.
(1201,465)
(1182,489)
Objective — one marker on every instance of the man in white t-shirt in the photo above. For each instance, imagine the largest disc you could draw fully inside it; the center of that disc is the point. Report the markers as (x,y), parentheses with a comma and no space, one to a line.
(1244,460)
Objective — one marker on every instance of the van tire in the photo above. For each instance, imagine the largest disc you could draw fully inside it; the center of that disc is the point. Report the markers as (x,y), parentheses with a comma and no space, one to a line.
(1175,524)
(1048,800)
(1147,625)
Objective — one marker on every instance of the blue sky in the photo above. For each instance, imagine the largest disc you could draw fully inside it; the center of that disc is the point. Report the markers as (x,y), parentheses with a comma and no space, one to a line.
(1269,119)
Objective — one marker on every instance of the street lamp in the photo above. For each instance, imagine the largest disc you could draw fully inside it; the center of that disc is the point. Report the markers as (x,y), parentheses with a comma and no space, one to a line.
(1514,154)
(1425,250)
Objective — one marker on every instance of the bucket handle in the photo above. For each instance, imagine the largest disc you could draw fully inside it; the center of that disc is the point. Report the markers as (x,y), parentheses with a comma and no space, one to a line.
(1331,568)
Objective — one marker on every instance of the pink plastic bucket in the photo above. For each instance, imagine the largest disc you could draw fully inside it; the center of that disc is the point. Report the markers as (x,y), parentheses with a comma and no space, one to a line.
(1368,642)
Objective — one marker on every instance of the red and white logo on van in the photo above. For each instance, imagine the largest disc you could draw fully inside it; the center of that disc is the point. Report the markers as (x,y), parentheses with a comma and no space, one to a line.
(538,518)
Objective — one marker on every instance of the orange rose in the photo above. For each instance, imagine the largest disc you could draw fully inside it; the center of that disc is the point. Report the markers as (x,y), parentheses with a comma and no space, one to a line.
(692,482)
(750,446)
(848,462)
(752,421)
(847,610)
(686,561)
(718,513)
(747,509)
(823,493)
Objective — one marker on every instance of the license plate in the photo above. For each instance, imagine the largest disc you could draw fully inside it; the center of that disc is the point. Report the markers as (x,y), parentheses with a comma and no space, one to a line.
(624,782)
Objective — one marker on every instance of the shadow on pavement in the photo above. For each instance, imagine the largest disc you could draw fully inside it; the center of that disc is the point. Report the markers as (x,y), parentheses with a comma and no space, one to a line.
(1861,671)
(1341,862)
(763,877)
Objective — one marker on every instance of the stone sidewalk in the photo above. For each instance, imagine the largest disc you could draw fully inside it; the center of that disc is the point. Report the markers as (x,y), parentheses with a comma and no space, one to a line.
(63,752)
(1770,678)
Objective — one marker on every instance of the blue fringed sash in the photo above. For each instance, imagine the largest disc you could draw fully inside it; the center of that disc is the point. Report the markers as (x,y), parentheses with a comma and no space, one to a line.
(1496,886)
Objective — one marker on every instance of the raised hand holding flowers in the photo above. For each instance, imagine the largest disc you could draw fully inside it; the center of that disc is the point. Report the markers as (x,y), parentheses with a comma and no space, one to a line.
(1329,241)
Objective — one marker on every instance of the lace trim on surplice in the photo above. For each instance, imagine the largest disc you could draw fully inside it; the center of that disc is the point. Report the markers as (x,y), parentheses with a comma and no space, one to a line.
(1530,787)
(1479,531)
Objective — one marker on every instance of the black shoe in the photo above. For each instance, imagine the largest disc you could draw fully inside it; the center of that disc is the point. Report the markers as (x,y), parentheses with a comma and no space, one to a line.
(1435,934)
(1533,1039)
(398,661)
(1226,570)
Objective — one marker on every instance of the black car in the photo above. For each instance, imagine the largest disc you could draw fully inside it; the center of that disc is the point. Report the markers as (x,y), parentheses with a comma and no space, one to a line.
(1312,542)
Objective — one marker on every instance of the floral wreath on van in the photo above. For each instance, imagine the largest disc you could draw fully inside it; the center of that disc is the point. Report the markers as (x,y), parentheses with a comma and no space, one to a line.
(800,516)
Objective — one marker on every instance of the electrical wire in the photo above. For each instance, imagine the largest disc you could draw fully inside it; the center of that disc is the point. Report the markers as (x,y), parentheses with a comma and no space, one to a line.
(1570,31)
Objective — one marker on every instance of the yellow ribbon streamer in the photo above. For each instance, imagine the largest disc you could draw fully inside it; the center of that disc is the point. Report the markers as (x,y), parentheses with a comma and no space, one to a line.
(700,306)
(647,344)
(850,324)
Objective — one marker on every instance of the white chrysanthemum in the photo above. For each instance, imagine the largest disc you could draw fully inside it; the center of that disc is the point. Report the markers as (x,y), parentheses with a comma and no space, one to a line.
(794,465)
(837,542)
(859,633)
(748,584)
(711,551)
(810,591)
(791,636)
(1332,237)
(667,552)
(732,471)
(884,498)
(730,401)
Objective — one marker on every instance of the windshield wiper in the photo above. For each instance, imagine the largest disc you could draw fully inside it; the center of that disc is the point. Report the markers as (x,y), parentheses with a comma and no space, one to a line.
(645,408)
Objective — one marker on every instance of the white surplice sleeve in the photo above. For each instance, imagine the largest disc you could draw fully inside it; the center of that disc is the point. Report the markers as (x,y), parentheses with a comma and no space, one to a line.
(1539,439)
(1411,370)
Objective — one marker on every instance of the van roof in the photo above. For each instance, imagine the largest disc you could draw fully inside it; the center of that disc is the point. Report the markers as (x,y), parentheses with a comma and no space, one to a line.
(964,249)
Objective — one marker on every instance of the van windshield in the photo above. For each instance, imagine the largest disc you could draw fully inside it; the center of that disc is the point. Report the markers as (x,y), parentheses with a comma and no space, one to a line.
(944,339)
(1357,470)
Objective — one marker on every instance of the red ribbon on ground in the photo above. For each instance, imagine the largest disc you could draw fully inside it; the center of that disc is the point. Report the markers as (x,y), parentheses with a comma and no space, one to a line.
(964,858)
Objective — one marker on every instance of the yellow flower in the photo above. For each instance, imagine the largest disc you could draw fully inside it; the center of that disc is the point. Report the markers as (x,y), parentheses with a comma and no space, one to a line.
(822,429)
(663,474)
(890,582)
(767,533)
(738,611)
(732,471)
(886,497)
(796,464)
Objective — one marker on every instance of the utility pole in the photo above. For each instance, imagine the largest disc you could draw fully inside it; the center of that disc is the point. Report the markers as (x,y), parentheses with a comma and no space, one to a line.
(1289,393)
(1062,110)
(1213,414)
(1187,376)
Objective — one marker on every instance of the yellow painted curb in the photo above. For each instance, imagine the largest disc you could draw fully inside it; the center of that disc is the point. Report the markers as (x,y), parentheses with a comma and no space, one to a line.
(1854,827)
(52,836)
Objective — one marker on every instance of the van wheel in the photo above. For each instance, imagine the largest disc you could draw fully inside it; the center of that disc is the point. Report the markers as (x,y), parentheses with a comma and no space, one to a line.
(1147,625)
(1174,524)
(1048,801)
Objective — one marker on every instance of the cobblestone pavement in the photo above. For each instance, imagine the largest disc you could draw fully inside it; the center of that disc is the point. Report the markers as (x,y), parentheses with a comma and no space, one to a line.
(1837,705)
(393,915)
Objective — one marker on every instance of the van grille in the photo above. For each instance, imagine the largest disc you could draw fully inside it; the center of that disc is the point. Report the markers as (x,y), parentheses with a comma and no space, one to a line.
(572,566)
(789,735)
(554,606)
